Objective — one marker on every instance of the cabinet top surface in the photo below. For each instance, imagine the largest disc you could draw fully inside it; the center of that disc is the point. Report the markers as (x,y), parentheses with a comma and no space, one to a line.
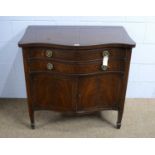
(79,36)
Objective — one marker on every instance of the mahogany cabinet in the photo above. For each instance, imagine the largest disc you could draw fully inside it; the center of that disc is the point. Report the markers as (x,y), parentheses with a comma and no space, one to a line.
(77,69)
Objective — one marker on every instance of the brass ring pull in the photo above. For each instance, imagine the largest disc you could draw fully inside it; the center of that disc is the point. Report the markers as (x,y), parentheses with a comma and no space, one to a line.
(50,66)
(105,60)
(49,53)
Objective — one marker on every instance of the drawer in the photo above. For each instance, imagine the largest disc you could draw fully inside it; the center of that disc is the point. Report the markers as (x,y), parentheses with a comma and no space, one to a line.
(75,55)
(73,68)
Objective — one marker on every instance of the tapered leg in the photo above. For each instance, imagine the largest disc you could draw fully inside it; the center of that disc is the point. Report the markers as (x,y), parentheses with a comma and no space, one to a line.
(31,114)
(119,119)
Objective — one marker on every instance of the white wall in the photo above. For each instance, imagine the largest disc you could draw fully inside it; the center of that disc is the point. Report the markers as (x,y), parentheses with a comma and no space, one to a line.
(141,29)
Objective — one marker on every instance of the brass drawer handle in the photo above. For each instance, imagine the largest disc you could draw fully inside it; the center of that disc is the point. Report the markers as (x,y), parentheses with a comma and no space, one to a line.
(105,60)
(49,53)
(50,66)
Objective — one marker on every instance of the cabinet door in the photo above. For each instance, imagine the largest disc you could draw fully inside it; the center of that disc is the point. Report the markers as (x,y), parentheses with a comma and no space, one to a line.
(97,92)
(52,92)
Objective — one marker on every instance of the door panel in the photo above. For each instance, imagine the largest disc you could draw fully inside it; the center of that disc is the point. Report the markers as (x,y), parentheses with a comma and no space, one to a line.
(52,92)
(87,93)
(109,90)
(101,91)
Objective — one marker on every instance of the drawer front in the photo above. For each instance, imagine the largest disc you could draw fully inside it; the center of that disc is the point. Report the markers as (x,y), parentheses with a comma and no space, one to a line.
(72,68)
(75,55)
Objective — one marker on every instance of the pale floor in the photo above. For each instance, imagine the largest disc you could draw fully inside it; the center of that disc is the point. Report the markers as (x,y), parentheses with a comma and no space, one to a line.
(138,121)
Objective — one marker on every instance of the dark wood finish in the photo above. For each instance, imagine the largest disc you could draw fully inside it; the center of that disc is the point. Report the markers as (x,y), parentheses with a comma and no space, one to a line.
(75,55)
(67,36)
(76,83)
(94,93)
(52,92)
(41,66)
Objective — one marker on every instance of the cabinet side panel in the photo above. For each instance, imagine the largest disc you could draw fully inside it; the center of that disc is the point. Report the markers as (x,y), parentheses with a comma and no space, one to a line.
(27,77)
(125,79)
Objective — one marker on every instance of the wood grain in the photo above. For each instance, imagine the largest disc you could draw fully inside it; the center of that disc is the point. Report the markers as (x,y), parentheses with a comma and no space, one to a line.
(76,84)
(71,35)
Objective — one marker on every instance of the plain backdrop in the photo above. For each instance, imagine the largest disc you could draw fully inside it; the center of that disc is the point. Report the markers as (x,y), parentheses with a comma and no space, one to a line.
(81,8)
